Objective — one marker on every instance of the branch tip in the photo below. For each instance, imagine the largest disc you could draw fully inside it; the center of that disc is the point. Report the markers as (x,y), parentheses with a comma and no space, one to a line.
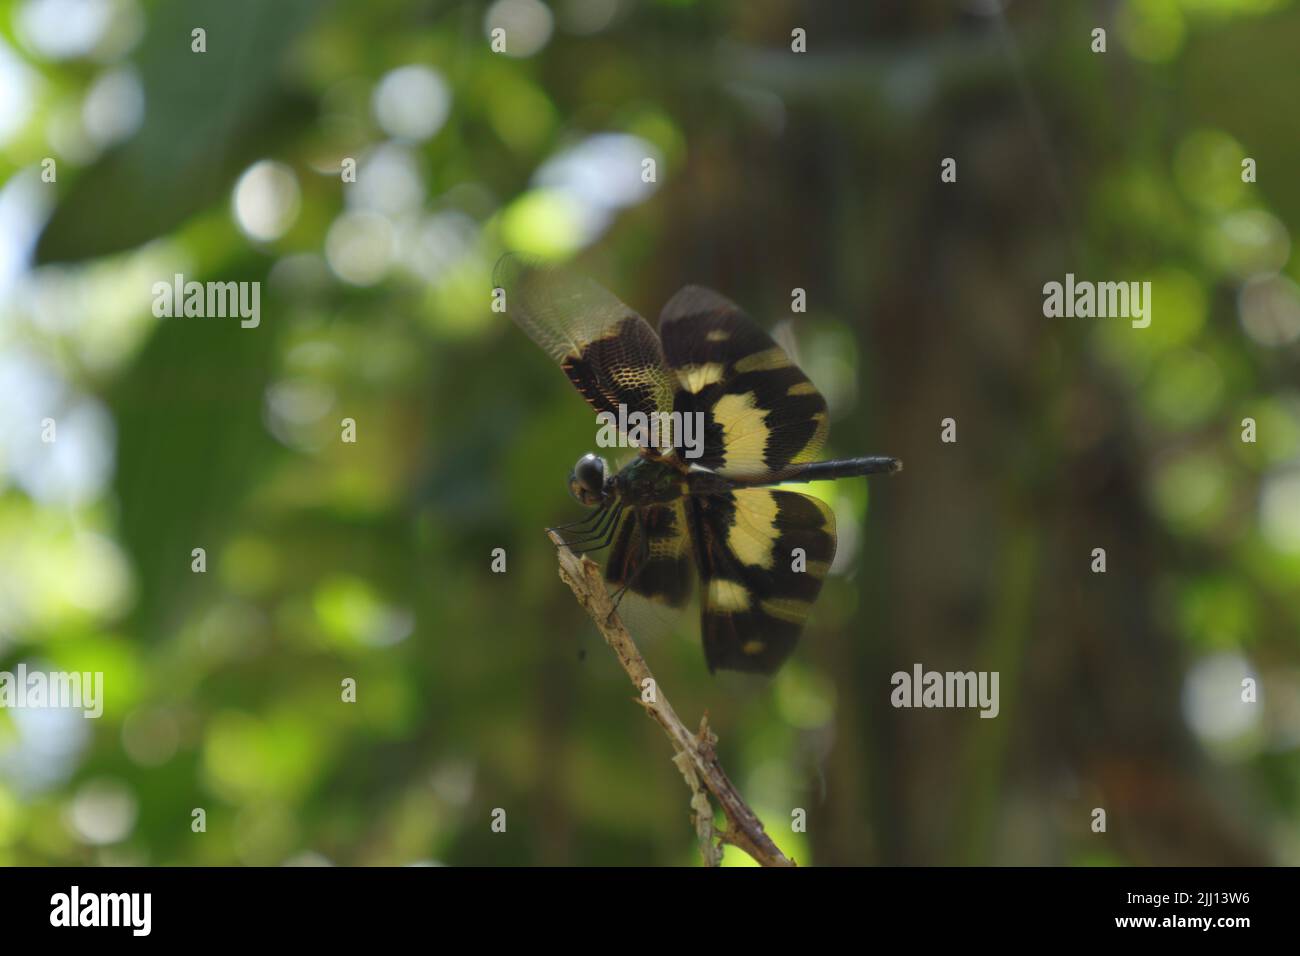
(695,755)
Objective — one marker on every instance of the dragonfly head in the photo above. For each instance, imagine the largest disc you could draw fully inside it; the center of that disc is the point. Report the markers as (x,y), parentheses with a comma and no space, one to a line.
(587,481)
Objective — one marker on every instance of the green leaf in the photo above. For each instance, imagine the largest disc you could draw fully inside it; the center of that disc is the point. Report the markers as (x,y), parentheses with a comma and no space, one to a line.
(207,117)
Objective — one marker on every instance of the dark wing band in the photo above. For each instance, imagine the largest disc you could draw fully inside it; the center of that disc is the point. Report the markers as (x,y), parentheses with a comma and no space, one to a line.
(761,413)
(655,556)
(763,555)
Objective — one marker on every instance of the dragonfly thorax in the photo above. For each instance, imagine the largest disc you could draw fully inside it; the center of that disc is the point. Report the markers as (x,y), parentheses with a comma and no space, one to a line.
(648,481)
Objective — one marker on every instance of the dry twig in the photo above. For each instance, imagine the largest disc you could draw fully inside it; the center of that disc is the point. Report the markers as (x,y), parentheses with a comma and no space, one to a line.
(696,757)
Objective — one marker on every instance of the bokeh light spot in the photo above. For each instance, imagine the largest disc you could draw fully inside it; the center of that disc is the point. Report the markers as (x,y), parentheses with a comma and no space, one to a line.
(411,103)
(266,200)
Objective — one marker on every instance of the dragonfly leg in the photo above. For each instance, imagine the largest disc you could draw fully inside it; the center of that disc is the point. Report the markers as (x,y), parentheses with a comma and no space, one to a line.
(605,537)
(588,535)
(587,519)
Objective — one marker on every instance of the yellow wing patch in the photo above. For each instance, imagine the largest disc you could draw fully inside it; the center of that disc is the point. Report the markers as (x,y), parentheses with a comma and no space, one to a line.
(751,536)
(727,596)
(696,378)
(764,361)
(744,431)
(787,609)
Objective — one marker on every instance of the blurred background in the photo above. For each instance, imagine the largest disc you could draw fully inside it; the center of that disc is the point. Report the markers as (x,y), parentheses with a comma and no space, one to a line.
(774,170)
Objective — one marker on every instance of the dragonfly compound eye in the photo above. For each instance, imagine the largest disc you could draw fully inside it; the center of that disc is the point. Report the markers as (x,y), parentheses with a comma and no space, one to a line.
(587,481)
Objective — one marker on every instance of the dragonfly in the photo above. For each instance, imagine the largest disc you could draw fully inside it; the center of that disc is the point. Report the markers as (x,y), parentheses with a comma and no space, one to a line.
(709,510)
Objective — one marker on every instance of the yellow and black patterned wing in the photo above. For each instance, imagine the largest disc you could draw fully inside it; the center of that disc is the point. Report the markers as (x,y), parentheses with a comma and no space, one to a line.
(651,552)
(763,553)
(609,352)
(761,413)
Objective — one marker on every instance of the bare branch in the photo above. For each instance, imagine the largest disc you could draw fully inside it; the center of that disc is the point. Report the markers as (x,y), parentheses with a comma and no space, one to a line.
(696,757)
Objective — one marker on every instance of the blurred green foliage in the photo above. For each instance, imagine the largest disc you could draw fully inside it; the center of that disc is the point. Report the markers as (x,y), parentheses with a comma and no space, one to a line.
(370,561)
